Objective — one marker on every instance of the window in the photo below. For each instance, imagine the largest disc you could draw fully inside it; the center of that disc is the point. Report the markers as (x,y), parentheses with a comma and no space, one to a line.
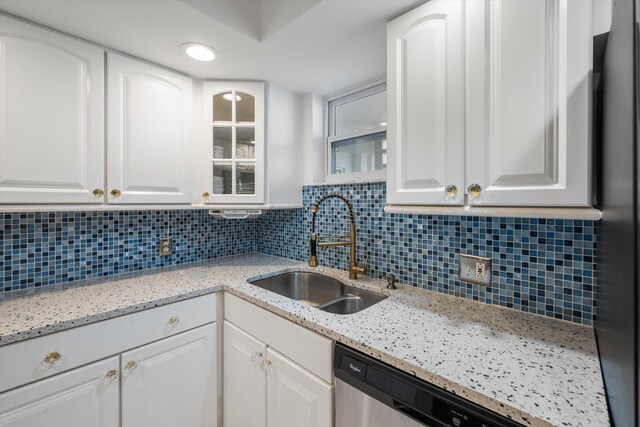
(357,134)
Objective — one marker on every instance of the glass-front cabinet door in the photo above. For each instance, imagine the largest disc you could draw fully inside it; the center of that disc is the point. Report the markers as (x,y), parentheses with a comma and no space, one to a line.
(234,143)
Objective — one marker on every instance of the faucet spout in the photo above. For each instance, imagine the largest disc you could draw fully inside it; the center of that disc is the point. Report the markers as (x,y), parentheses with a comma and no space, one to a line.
(354,268)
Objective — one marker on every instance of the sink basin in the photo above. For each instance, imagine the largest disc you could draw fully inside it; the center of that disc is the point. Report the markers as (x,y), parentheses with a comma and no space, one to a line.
(320,291)
(350,304)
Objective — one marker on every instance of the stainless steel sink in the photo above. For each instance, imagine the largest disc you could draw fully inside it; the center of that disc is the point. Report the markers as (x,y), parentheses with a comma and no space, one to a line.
(320,291)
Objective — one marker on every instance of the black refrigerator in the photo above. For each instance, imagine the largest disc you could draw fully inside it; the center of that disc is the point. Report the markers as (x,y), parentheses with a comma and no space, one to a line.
(618,251)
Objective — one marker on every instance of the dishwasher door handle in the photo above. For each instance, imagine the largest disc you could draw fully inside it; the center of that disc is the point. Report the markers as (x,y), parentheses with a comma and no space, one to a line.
(411,412)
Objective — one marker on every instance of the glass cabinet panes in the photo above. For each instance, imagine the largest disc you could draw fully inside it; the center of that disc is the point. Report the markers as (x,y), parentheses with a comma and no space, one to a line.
(223,107)
(246,179)
(245,108)
(245,143)
(222,142)
(234,145)
(222,179)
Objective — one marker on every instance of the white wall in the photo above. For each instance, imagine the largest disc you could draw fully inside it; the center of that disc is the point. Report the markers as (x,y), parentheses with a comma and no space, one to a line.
(284,145)
(313,139)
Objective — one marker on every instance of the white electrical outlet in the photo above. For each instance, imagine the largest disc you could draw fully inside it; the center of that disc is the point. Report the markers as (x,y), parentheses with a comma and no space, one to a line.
(475,269)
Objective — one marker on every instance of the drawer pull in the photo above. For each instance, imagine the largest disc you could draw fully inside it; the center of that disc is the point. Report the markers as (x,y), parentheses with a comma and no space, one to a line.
(112,375)
(173,321)
(52,358)
(130,367)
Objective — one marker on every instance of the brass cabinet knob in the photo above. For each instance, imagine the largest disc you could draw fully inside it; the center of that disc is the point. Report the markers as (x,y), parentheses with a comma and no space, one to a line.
(266,366)
(205,195)
(116,193)
(474,190)
(52,358)
(173,321)
(111,376)
(451,190)
(98,192)
(130,366)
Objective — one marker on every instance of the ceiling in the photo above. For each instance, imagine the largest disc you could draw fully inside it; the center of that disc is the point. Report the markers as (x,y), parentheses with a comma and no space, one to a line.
(319,46)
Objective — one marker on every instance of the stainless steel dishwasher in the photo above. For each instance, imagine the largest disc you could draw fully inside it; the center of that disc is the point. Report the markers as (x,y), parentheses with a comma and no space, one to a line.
(370,393)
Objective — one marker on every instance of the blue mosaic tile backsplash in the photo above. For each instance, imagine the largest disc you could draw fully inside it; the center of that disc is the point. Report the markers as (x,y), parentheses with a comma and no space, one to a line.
(539,265)
(38,249)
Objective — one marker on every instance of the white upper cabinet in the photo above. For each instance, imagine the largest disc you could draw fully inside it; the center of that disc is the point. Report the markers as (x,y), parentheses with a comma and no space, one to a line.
(51,117)
(251,159)
(528,102)
(234,146)
(497,106)
(425,107)
(148,134)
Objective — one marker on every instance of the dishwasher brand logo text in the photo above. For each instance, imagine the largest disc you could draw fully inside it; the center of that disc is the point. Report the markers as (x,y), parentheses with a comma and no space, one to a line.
(354,368)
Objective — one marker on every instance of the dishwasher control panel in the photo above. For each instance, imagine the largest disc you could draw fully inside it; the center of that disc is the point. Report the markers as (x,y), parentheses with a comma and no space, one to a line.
(424,402)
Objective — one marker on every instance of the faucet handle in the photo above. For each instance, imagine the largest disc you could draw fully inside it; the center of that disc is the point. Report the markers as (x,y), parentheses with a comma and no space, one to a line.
(363,269)
(391,281)
(356,269)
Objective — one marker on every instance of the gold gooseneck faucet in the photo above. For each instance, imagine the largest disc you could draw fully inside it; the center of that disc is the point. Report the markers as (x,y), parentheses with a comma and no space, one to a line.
(354,269)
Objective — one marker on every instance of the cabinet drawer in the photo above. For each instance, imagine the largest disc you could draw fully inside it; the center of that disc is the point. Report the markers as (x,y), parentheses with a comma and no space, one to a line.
(24,362)
(307,348)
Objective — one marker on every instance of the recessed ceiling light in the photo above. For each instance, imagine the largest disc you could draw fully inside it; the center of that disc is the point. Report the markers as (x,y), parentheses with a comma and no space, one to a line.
(199,52)
(229,97)
(382,123)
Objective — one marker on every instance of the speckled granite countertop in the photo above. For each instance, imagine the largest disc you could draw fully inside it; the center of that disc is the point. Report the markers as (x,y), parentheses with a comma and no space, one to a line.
(537,370)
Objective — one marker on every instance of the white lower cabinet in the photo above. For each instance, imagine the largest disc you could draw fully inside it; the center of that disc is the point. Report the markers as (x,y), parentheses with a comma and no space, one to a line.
(296,397)
(87,396)
(264,388)
(171,382)
(160,369)
(244,380)
(266,383)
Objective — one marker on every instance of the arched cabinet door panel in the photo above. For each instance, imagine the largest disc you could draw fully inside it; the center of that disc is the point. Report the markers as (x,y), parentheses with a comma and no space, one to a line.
(425,105)
(51,117)
(149,133)
(234,143)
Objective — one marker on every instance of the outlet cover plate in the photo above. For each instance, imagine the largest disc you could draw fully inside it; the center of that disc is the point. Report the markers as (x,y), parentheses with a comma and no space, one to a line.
(165,246)
(475,269)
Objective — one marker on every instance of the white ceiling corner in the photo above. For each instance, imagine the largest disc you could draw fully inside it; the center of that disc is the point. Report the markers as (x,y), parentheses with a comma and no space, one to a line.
(319,46)
(257,19)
